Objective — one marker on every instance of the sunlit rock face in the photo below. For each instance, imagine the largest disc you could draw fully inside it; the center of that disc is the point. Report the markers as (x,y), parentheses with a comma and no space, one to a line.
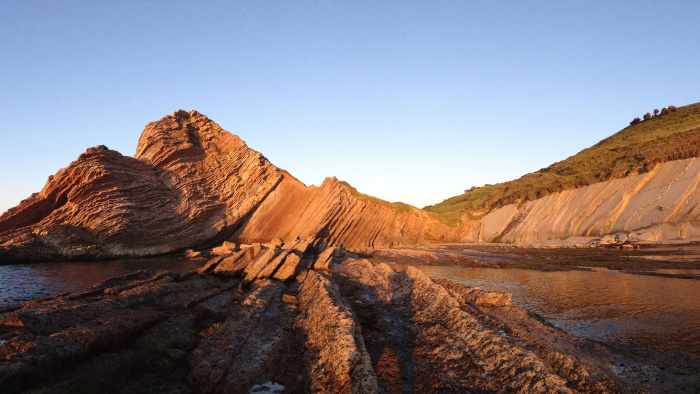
(660,205)
(330,212)
(192,184)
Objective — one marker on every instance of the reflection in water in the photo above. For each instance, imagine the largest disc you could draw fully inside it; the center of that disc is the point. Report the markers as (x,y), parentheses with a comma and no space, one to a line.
(637,310)
(608,306)
(24,282)
(677,271)
(668,257)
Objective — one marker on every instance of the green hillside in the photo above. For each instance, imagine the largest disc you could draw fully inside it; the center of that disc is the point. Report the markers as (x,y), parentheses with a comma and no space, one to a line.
(396,206)
(633,150)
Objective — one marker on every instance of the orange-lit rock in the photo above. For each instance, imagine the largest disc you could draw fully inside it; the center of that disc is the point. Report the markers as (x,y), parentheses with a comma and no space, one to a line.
(190,185)
(330,212)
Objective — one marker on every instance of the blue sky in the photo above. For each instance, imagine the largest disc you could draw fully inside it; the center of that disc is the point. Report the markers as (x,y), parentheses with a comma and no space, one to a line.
(408,101)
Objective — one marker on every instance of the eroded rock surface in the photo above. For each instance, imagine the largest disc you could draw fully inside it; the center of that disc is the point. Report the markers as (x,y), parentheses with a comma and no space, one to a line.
(660,205)
(339,361)
(192,185)
(351,326)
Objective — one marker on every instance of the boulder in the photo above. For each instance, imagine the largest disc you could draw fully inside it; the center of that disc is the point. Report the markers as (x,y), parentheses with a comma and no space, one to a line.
(325,258)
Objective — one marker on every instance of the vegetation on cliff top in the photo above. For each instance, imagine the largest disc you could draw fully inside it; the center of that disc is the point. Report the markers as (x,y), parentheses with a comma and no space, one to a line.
(633,150)
(396,206)
(449,218)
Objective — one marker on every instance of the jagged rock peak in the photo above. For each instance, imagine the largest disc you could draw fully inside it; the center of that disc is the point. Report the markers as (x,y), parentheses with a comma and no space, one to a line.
(189,185)
(184,136)
(92,151)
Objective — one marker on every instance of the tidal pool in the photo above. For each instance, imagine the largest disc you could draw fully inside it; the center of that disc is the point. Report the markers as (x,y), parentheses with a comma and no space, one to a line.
(609,306)
(25,282)
(614,307)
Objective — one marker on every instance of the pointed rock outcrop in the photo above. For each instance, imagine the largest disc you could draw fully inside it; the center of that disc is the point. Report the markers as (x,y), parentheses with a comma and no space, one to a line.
(192,184)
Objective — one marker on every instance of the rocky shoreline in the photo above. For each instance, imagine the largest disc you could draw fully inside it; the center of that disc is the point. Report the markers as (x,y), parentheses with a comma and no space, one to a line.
(652,260)
(302,318)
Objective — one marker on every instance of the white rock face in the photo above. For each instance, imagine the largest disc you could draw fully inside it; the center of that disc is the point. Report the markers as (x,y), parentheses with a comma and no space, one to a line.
(661,205)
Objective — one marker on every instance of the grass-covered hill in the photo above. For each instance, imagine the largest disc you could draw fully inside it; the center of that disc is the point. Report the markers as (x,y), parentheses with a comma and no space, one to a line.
(396,206)
(633,150)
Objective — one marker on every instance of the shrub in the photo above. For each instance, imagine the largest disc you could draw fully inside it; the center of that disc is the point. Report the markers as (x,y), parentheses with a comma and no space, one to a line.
(635,121)
(664,111)
(672,108)
(656,112)
(647,116)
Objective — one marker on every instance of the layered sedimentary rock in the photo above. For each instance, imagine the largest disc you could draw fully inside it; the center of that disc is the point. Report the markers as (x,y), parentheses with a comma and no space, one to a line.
(331,213)
(355,327)
(191,184)
(661,205)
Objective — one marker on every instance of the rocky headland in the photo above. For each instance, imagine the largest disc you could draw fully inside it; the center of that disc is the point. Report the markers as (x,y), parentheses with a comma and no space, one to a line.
(192,184)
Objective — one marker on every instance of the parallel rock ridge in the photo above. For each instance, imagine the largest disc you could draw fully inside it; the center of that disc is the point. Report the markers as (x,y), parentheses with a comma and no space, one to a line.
(191,184)
(349,327)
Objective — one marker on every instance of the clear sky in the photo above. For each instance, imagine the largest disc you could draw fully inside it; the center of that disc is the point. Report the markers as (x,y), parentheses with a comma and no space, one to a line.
(409,101)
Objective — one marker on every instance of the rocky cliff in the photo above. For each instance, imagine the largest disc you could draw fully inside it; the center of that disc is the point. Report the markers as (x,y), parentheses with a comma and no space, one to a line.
(661,205)
(192,184)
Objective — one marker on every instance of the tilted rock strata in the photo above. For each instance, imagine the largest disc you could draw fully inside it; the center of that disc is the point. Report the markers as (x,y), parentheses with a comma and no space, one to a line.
(661,205)
(417,256)
(217,180)
(339,361)
(228,360)
(103,204)
(191,184)
(421,338)
(357,327)
(331,213)
(462,343)
(475,296)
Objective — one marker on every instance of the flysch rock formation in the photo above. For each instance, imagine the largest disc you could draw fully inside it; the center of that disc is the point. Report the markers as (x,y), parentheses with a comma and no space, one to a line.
(661,205)
(330,212)
(192,185)
(350,327)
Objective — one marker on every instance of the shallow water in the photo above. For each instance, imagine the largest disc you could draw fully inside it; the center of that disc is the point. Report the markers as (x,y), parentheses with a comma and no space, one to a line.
(608,306)
(614,307)
(25,282)
(677,271)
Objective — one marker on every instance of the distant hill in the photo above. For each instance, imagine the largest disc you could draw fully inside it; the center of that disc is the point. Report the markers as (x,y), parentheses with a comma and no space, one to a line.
(631,151)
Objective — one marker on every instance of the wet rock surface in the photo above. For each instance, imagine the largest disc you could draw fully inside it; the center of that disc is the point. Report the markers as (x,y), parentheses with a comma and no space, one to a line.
(645,261)
(301,319)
